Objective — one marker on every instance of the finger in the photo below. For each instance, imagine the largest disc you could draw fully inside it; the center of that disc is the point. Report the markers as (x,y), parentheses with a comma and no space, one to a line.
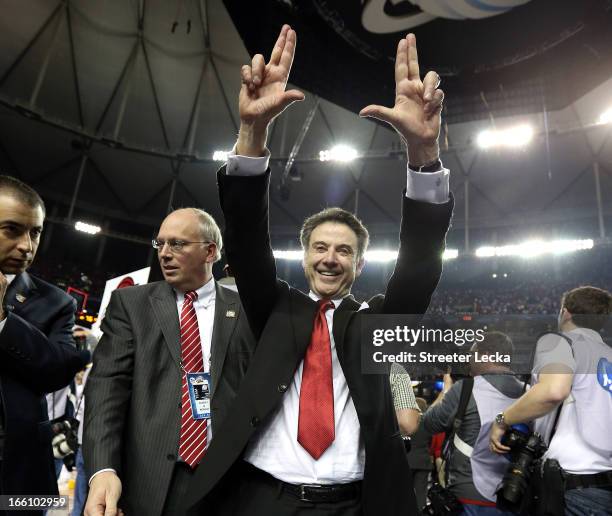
(379,112)
(277,51)
(286,59)
(401,61)
(430,83)
(257,68)
(289,97)
(246,75)
(111,505)
(413,58)
(435,104)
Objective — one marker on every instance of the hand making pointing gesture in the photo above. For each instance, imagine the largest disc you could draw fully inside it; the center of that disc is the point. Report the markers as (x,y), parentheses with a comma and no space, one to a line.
(416,113)
(263,96)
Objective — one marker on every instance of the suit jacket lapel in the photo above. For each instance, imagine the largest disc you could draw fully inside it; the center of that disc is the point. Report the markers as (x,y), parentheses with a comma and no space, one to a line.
(20,293)
(342,316)
(163,303)
(226,315)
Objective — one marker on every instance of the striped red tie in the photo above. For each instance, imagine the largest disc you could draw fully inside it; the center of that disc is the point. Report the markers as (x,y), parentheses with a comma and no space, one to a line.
(193,440)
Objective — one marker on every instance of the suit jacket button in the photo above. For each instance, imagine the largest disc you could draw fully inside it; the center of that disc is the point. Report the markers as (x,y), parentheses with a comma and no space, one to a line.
(171,456)
(282,387)
(254,421)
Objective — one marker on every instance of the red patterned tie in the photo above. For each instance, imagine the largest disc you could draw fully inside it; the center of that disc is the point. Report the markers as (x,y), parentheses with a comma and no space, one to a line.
(316,429)
(192,443)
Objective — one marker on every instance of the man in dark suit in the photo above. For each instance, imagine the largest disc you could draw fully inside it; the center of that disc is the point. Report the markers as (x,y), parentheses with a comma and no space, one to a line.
(320,436)
(37,352)
(144,434)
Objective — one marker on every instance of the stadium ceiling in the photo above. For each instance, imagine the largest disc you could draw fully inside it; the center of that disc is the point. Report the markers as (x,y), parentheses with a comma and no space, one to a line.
(113,109)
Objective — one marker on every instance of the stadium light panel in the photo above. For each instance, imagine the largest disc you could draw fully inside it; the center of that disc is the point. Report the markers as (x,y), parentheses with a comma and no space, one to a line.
(512,137)
(533,248)
(338,153)
(288,255)
(220,155)
(90,229)
(606,117)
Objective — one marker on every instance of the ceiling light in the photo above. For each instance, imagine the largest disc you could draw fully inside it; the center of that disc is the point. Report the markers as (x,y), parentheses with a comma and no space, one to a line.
(87,228)
(338,153)
(606,117)
(533,248)
(220,155)
(518,136)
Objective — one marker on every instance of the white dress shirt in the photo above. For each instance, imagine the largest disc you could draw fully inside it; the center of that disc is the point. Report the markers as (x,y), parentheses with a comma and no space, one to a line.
(275,448)
(9,278)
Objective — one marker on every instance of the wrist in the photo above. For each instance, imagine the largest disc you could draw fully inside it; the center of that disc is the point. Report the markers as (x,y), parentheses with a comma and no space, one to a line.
(420,154)
(500,420)
(252,140)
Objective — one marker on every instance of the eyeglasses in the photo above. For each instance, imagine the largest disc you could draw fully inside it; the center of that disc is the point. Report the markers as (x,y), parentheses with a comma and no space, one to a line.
(174,244)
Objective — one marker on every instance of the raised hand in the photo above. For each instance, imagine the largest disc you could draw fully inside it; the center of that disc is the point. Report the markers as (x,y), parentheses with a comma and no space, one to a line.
(263,96)
(416,113)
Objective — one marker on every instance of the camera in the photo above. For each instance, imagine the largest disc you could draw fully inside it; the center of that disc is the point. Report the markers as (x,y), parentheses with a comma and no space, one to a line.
(526,448)
(441,502)
(65,440)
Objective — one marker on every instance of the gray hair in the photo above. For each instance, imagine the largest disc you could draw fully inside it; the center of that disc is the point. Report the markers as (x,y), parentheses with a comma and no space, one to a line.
(210,230)
(337,216)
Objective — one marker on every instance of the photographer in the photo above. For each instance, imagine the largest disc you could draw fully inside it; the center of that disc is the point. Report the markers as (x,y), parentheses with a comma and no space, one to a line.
(465,411)
(572,403)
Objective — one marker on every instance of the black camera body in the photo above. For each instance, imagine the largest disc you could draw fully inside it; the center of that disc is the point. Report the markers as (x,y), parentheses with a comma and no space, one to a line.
(441,502)
(526,450)
(65,441)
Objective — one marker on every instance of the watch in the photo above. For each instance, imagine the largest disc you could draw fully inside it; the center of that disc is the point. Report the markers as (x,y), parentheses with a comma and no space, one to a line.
(500,419)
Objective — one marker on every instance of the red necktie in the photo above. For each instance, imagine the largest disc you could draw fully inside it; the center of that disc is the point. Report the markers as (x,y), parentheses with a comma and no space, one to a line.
(316,429)
(192,442)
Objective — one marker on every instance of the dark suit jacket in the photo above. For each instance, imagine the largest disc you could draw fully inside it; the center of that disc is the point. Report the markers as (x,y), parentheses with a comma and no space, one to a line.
(133,393)
(37,355)
(282,319)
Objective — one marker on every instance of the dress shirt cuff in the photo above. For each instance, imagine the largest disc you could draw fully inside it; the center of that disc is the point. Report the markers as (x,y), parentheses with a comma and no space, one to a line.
(430,187)
(245,165)
(101,471)
(2,323)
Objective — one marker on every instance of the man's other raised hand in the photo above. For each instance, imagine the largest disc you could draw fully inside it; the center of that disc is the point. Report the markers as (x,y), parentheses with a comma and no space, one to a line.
(263,96)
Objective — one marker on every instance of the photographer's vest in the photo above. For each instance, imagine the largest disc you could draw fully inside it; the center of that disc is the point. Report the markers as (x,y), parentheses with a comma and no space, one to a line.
(587,412)
(488,468)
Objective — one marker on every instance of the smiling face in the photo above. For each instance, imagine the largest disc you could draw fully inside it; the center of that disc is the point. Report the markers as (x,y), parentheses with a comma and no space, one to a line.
(191,267)
(330,260)
(20,229)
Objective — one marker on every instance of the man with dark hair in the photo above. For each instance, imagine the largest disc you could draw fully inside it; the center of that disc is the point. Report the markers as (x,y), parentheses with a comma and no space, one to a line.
(320,437)
(491,388)
(337,216)
(571,403)
(37,352)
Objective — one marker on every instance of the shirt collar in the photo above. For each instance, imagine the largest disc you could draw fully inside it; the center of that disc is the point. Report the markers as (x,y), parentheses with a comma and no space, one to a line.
(316,297)
(10,277)
(206,293)
(585,332)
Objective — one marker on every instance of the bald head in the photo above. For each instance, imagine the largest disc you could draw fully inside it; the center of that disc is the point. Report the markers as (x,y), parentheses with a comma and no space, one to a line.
(191,243)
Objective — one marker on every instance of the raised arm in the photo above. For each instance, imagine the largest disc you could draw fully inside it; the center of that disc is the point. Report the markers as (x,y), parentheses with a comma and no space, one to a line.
(244,182)
(418,104)
(427,207)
